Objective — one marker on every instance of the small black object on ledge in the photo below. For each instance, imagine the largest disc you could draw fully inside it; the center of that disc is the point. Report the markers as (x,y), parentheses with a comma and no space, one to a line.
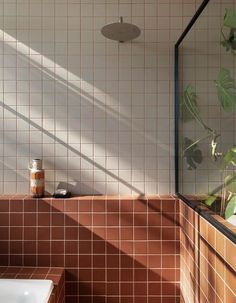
(61,193)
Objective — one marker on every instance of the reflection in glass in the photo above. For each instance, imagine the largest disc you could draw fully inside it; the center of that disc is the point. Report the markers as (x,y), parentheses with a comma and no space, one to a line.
(207,125)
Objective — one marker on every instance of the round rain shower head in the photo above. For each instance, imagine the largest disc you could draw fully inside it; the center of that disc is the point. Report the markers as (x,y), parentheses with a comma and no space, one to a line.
(121,31)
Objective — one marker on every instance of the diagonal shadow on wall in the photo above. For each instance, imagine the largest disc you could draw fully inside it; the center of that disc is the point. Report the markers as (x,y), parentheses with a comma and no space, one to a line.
(92,251)
(84,97)
(72,149)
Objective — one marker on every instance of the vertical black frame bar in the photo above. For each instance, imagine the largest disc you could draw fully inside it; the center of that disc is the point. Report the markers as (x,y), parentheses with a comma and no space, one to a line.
(206,215)
(177,99)
(177,109)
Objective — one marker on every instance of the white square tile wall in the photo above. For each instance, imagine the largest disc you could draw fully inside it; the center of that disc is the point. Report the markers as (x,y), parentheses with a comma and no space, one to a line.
(99,113)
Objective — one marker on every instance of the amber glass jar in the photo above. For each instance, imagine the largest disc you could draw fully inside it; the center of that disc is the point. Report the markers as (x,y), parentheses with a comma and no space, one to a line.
(37,186)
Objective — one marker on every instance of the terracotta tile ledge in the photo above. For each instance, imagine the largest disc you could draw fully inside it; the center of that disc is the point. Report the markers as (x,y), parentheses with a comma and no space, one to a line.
(55,274)
(196,203)
(91,197)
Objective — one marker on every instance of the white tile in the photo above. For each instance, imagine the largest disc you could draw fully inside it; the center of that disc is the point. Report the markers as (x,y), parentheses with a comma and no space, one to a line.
(108,101)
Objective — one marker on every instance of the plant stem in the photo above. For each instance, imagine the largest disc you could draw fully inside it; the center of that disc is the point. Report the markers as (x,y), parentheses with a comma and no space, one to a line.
(227,41)
(196,142)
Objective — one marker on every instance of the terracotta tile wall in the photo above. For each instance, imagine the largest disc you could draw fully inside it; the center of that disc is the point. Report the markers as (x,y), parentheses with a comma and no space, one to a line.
(113,250)
(207,261)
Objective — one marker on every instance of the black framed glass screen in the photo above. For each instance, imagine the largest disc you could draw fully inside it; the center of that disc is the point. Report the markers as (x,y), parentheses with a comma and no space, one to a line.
(205,112)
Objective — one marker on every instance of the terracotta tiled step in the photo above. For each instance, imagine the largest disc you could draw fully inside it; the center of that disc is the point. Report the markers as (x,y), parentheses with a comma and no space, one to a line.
(43,273)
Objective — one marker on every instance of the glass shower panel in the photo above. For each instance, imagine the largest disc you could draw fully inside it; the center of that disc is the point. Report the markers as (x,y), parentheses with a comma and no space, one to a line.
(207,122)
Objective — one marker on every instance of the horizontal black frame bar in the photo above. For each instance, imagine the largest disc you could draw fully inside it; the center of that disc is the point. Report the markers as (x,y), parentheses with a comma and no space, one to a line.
(222,228)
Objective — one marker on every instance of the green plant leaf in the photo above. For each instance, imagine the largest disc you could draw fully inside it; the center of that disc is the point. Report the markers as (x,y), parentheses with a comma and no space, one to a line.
(226,44)
(226,89)
(210,200)
(190,107)
(230,18)
(189,97)
(229,43)
(229,157)
(230,183)
(230,208)
(232,40)
(192,153)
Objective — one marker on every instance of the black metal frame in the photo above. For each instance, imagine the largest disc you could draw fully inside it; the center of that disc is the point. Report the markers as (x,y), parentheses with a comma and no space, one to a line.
(228,233)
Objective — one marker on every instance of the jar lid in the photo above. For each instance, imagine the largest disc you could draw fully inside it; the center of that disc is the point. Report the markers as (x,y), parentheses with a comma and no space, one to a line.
(37,163)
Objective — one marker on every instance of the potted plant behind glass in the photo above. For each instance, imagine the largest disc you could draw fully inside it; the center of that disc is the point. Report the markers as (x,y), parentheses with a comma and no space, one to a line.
(226,92)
